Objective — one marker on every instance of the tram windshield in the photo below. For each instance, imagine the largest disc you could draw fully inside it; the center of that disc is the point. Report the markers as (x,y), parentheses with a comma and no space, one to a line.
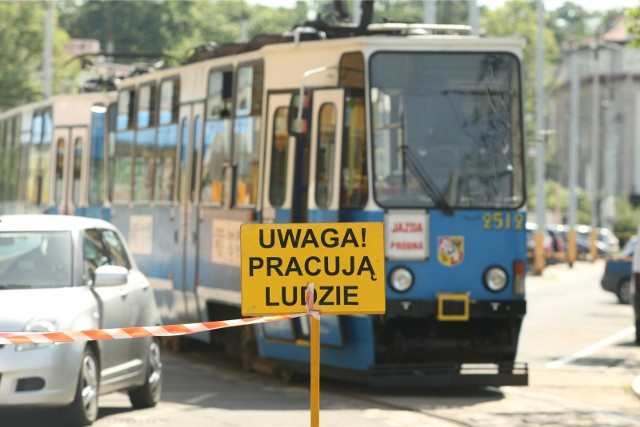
(447,130)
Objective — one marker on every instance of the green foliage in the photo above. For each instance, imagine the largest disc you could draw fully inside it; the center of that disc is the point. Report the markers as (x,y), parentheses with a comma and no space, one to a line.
(22,38)
(632,18)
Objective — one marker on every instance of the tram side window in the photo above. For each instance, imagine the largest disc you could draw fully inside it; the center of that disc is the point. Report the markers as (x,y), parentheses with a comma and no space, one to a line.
(34,180)
(219,97)
(354,187)
(246,133)
(325,155)
(96,160)
(147,106)
(77,162)
(59,150)
(39,167)
(169,101)
(352,70)
(279,158)
(45,166)
(126,111)
(165,156)
(216,150)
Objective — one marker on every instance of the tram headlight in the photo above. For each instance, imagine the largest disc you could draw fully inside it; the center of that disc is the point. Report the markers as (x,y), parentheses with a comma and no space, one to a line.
(401,279)
(495,279)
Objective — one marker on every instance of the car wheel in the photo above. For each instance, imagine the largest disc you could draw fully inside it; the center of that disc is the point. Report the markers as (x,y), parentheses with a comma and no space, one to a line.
(624,292)
(83,411)
(148,395)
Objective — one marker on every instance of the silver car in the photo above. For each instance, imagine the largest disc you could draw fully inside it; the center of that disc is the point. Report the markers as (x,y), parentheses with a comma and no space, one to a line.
(63,273)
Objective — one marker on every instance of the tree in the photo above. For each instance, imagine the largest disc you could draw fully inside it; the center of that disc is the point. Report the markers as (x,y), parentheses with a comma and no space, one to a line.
(632,17)
(22,38)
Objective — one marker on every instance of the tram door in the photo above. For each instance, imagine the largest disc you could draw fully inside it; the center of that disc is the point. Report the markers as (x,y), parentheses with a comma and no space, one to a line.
(186,221)
(326,129)
(68,149)
(287,167)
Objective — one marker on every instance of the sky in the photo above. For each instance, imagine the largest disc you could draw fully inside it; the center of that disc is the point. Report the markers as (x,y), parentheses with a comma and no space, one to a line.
(590,5)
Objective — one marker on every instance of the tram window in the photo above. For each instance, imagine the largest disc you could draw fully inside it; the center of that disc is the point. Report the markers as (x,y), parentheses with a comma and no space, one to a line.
(279,158)
(36,128)
(165,161)
(96,162)
(216,156)
(45,157)
(245,78)
(147,106)
(182,172)
(47,127)
(77,162)
(112,111)
(249,91)
(325,156)
(219,99)
(59,150)
(126,102)
(33,172)
(143,167)
(169,101)
(352,70)
(123,167)
(354,188)
(246,132)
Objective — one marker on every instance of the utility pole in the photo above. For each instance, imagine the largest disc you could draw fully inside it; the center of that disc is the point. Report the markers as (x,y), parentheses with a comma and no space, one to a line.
(595,146)
(429,11)
(474,18)
(47,63)
(611,149)
(574,114)
(541,198)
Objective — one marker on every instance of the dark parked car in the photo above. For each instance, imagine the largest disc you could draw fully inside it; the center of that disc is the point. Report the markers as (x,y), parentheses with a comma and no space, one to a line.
(617,273)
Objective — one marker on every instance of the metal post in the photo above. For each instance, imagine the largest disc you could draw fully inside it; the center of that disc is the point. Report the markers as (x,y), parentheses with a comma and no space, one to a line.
(474,18)
(611,149)
(595,147)
(574,114)
(429,11)
(541,198)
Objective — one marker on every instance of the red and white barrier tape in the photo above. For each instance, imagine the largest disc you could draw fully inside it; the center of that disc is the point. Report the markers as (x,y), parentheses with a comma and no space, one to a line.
(133,332)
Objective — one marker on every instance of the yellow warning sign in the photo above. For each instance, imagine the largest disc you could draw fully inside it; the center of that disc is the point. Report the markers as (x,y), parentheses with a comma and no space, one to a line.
(344,261)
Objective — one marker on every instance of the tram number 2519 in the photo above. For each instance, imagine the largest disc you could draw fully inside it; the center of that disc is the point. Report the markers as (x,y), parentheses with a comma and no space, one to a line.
(503,221)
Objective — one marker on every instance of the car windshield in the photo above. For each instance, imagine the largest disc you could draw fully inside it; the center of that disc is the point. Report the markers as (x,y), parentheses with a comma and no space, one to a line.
(35,259)
(447,130)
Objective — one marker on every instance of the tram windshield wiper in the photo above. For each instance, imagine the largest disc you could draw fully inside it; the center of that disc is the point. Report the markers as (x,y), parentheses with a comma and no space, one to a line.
(424,179)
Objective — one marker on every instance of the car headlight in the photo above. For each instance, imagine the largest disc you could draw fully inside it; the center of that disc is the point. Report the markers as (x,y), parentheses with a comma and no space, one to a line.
(401,279)
(495,279)
(37,325)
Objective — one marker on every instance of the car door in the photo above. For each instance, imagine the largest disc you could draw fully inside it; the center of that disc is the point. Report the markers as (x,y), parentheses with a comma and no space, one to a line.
(116,305)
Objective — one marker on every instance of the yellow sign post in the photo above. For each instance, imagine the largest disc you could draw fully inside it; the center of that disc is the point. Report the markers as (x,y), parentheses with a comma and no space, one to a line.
(343,261)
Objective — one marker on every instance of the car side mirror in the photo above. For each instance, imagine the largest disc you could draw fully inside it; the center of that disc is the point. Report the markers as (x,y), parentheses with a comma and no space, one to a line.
(110,275)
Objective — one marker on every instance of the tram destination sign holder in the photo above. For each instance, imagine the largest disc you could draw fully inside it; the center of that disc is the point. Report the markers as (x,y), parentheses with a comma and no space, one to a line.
(319,269)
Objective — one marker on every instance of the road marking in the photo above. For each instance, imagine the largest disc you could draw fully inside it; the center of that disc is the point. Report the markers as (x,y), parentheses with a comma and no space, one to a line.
(555,364)
(198,399)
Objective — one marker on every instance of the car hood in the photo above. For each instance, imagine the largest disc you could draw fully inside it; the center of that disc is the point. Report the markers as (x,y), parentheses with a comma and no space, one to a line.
(19,306)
